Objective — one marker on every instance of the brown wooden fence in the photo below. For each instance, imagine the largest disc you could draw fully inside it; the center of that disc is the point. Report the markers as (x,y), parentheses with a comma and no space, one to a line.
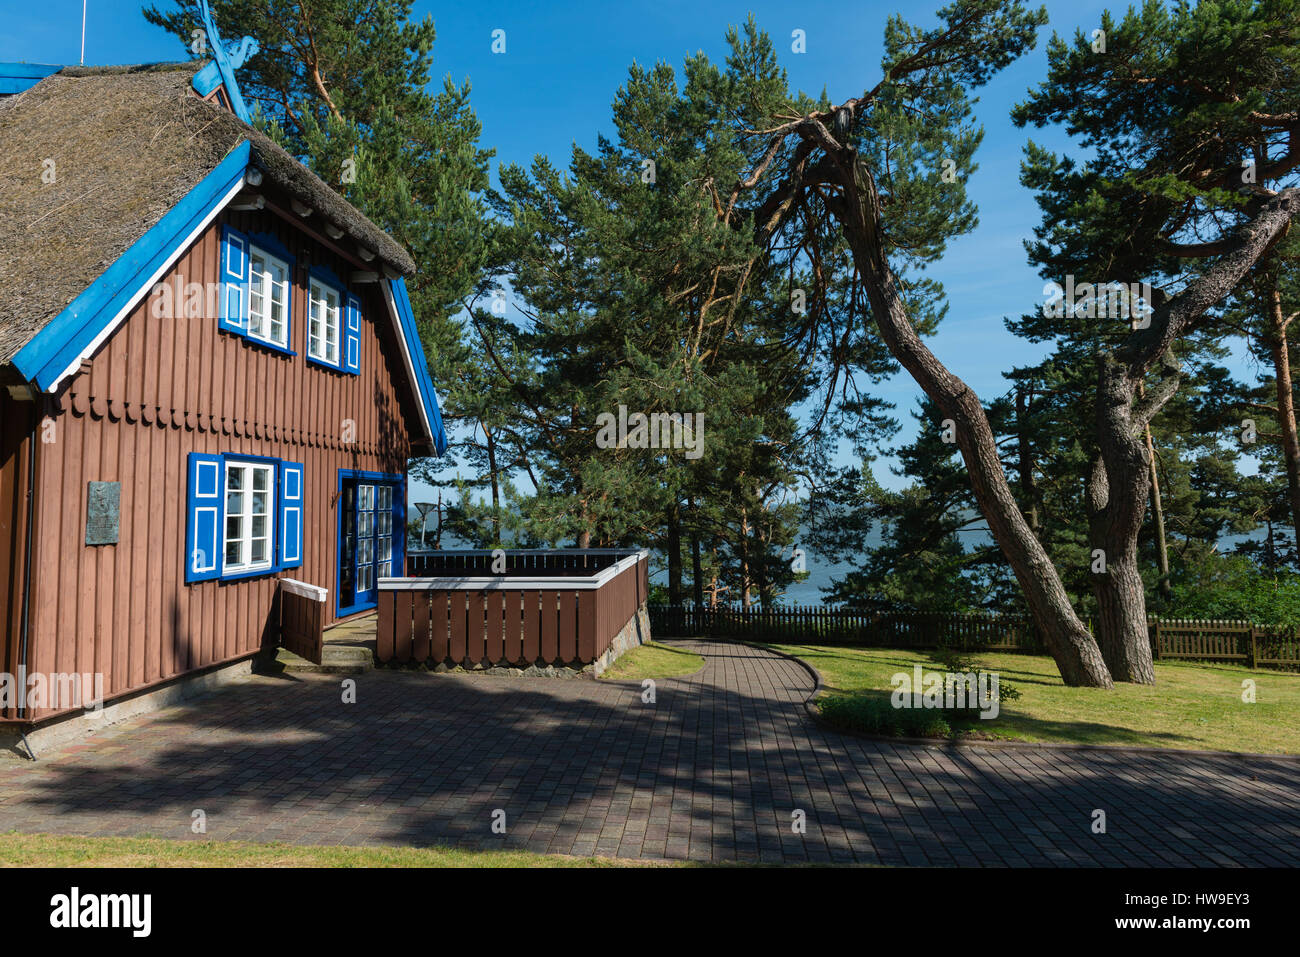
(1231,641)
(516,619)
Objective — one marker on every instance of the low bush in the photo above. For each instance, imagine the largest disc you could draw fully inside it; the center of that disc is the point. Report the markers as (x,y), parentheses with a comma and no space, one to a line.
(875,714)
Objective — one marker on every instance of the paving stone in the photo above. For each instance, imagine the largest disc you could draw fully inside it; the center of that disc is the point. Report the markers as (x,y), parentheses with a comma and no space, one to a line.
(711,772)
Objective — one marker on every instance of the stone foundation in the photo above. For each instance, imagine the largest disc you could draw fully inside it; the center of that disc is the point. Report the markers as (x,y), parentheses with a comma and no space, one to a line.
(635,632)
(71,728)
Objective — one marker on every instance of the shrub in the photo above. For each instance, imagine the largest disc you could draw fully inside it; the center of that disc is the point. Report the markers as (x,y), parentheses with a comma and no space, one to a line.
(875,714)
(953,660)
(1235,587)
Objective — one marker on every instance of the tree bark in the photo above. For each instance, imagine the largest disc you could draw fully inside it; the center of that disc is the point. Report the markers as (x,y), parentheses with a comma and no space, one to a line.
(1117,494)
(1281,354)
(697,573)
(746,582)
(674,546)
(494,473)
(1158,513)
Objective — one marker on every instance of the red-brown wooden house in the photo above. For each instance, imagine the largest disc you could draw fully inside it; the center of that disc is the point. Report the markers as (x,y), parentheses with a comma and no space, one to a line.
(210,380)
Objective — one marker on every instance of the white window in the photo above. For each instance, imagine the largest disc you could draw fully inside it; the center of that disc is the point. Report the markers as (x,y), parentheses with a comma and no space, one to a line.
(250,504)
(383,531)
(323,334)
(268,298)
(365,537)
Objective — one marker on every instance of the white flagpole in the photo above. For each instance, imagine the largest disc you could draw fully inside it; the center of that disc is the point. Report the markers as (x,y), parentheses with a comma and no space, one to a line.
(83,32)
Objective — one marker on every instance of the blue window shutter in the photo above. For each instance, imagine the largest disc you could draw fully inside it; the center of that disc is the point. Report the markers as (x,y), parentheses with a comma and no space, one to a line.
(291,503)
(352,337)
(234,281)
(204,505)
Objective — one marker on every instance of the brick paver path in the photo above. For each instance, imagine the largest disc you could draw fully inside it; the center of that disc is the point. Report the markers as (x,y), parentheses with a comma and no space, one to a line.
(715,769)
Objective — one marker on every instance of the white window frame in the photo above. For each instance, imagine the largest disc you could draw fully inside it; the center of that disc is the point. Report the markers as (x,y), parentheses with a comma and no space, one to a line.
(246,515)
(257,322)
(383,563)
(318,317)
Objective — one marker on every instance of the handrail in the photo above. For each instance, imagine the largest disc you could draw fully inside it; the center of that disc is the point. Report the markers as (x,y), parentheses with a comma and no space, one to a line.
(490,582)
(530,551)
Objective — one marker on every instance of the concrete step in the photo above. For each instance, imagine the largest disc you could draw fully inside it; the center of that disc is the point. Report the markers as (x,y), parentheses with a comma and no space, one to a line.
(335,660)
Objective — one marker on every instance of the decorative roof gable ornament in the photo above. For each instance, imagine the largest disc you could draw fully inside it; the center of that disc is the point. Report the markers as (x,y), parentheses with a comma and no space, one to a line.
(226,58)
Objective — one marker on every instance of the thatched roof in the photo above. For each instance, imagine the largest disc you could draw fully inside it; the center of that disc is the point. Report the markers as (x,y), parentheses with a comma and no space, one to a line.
(127,144)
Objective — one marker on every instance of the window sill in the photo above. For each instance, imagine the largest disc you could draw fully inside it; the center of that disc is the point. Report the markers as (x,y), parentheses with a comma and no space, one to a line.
(254,573)
(252,340)
(324,364)
(272,346)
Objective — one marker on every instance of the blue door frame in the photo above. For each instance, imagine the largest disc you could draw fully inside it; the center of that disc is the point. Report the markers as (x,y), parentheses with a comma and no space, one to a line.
(349,601)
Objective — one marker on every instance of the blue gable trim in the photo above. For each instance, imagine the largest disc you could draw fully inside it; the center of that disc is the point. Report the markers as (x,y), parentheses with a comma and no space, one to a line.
(20,77)
(423,381)
(65,336)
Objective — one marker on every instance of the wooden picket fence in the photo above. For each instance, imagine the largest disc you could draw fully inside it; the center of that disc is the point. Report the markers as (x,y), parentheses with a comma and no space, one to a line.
(1231,641)
(560,609)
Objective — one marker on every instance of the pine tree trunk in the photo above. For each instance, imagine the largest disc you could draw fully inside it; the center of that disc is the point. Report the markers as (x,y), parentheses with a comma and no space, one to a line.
(674,547)
(1071,645)
(1157,512)
(1281,354)
(1117,494)
(494,472)
(697,574)
(745,581)
(1122,631)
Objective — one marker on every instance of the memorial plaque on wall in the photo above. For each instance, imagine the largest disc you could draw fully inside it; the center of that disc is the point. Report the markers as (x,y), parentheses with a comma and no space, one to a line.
(103,512)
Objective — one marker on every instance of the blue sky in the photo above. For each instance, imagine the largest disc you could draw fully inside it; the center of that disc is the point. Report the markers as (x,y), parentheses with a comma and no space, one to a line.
(564,61)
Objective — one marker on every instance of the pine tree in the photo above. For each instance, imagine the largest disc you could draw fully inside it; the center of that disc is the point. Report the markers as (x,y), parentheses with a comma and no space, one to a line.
(1189,115)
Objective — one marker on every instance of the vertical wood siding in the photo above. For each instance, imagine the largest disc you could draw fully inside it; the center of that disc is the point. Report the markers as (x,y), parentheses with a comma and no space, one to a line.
(16,421)
(157,390)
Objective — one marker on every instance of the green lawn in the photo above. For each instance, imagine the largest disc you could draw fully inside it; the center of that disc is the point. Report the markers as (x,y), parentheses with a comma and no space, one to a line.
(653,660)
(49,850)
(1194,705)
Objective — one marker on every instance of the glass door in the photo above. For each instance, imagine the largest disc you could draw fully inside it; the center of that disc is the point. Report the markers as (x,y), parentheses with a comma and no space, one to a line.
(365,559)
(366,545)
(383,550)
(348,545)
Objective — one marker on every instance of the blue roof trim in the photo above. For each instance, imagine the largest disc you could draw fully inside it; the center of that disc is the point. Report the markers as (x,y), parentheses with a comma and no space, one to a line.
(20,77)
(423,381)
(67,335)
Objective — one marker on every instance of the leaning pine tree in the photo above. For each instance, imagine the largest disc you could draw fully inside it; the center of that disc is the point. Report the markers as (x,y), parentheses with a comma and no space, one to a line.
(886,169)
